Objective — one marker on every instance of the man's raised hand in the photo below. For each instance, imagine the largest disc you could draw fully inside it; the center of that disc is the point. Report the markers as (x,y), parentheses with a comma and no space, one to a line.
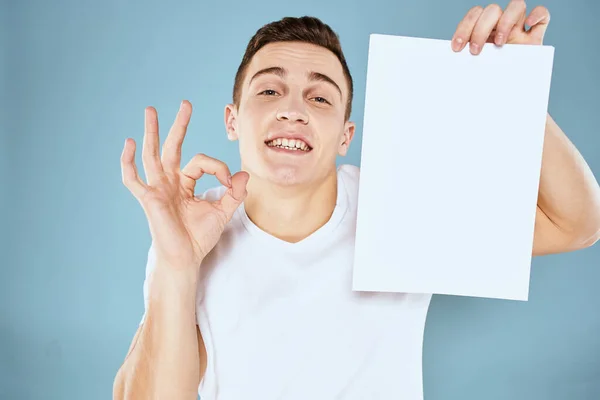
(184,228)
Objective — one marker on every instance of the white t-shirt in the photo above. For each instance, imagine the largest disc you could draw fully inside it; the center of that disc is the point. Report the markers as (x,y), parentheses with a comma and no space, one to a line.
(280,320)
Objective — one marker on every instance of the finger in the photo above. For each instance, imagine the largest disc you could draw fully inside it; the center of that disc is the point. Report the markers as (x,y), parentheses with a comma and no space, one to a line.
(514,12)
(492,37)
(129,173)
(201,164)
(538,20)
(235,195)
(465,27)
(171,155)
(150,156)
(483,28)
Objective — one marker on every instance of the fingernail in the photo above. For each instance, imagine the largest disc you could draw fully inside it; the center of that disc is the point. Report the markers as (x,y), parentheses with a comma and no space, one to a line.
(474,48)
(229,180)
(457,43)
(499,38)
(181,106)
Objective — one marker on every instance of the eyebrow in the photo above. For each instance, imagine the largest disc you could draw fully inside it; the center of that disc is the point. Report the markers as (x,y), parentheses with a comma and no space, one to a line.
(282,72)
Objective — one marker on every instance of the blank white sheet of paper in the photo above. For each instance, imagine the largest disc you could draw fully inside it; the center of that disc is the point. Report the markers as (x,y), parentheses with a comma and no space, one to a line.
(450,167)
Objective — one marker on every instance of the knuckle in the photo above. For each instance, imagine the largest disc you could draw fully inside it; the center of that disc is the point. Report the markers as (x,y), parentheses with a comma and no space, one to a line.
(494,9)
(125,175)
(473,14)
(476,10)
(198,159)
(200,156)
(128,183)
(503,26)
(153,197)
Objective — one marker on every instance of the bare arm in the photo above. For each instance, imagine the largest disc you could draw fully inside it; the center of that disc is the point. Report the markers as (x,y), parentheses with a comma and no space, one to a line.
(568,206)
(568,214)
(167,357)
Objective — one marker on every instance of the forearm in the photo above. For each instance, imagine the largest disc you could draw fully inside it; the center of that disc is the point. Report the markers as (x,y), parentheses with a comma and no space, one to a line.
(568,194)
(163,362)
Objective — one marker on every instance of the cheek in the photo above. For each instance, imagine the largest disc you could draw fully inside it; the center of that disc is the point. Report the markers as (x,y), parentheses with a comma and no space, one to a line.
(250,129)
(336,134)
(258,106)
(257,114)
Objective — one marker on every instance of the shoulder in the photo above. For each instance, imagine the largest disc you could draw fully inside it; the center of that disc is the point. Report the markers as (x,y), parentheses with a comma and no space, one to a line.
(349,175)
(349,171)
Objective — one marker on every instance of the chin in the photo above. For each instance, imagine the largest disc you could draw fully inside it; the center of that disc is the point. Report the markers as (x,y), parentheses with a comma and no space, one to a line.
(288,175)
(285,170)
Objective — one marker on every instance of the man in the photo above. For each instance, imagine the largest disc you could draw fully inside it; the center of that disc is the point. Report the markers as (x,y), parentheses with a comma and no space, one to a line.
(247,291)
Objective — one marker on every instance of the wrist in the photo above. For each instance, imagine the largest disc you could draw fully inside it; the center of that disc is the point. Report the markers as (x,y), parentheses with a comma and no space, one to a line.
(173,288)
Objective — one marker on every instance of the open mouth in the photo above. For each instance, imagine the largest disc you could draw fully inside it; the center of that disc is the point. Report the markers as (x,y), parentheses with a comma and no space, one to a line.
(289,144)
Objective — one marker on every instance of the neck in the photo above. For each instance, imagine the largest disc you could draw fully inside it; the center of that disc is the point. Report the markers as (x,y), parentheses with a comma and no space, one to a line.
(291,213)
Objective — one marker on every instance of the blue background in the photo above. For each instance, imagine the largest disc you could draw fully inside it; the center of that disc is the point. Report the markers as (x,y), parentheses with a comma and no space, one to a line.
(78,75)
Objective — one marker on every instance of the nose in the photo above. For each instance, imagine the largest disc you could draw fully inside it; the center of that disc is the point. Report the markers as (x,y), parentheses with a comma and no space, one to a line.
(292,112)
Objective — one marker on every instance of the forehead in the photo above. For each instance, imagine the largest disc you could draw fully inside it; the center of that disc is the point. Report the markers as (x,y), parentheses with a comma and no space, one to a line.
(299,60)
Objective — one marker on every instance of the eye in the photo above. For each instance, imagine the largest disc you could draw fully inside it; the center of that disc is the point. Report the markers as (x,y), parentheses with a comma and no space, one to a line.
(268,92)
(321,100)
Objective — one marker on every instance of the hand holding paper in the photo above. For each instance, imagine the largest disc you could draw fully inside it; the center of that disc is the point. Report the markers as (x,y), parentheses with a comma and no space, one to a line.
(454,147)
(492,25)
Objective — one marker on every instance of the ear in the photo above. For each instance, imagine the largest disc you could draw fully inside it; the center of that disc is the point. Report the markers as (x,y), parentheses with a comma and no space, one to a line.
(349,128)
(231,122)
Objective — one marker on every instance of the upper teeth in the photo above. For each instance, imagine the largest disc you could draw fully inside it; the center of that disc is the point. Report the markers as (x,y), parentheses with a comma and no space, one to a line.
(292,144)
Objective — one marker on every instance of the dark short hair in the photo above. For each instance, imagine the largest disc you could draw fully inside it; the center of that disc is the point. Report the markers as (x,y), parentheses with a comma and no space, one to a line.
(294,29)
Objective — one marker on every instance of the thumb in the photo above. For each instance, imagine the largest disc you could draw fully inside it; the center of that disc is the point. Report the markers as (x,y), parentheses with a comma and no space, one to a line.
(235,195)
(538,20)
